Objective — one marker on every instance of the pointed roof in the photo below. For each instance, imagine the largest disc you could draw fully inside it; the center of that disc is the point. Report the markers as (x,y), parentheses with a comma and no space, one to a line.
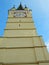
(25,6)
(20,7)
(13,8)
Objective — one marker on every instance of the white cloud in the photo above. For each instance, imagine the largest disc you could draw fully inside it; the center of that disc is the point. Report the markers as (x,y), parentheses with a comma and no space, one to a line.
(47,44)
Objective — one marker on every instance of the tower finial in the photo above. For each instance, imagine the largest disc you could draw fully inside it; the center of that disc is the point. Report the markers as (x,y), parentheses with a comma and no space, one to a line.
(25,6)
(20,2)
(20,7)
(13,6)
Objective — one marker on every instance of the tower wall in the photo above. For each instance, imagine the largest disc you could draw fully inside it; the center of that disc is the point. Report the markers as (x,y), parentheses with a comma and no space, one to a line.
(20,25)
(21,44)
(23,19)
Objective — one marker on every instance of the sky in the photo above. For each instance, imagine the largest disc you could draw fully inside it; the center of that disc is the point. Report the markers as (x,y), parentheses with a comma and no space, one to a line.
(40,15)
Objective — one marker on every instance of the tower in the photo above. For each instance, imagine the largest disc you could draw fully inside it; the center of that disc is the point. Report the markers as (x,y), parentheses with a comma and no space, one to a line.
(21,44)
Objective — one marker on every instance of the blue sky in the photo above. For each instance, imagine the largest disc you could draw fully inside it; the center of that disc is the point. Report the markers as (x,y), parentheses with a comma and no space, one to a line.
(40,13)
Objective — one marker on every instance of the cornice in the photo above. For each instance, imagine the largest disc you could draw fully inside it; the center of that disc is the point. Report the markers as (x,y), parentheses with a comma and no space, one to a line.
(35,62)
(22,29)
(22,47)
(19,22)
(19,17)
(20,37)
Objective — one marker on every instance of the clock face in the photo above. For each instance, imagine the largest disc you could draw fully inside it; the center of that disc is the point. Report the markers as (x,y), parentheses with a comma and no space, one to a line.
(20,14)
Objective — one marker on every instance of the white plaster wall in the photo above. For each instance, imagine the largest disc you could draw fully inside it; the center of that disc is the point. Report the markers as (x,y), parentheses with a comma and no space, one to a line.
(43,63)
(38,41)
(18,55)
(40,54)
(19,20)
(14,33)
(20,26)
(17,42)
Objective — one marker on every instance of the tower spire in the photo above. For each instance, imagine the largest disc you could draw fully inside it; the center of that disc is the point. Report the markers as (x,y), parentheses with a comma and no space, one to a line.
(13,6)
(25,6)
(20,7)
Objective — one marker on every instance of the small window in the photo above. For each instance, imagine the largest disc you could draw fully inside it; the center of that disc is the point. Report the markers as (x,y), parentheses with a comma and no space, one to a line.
(19,25)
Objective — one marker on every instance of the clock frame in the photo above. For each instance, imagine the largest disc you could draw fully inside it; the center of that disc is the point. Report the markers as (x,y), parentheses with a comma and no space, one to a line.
(20,14)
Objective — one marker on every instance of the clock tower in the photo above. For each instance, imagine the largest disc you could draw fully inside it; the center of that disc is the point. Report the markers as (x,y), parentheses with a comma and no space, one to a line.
(21,44)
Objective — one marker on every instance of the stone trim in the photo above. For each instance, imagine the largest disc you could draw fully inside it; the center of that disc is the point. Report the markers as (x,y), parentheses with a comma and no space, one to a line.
(20,37)
(21,47)
(19,22)
(19,17)
(22,29)
(38,62)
